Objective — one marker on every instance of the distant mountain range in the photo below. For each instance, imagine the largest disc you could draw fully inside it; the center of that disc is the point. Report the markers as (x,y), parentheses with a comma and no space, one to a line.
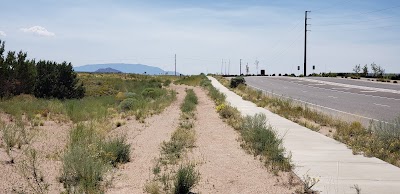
(124,68)
(107,70)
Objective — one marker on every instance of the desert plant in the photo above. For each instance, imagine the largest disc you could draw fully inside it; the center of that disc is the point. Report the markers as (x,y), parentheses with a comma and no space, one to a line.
(193,80)
(235,82)
(186,178)
(167,82)
(116,151)
(309,183)
(190,101)
(153,92)
(29,169)
(82,171)
(263,140)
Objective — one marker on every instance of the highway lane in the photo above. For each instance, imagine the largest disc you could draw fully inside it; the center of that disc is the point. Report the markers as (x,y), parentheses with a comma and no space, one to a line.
(362,82)
(346,102)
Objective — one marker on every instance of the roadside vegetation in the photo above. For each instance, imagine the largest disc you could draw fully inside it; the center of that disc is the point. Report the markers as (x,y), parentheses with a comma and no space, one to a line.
(380,140)
(88,157)
(110,101)
(257,137)
(44,79)
(171,173)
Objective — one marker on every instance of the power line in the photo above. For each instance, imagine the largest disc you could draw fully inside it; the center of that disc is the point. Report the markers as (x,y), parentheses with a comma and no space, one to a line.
(291,30)
(356,22)
(360,29)
(331,6)
(274,59)
(276,51)
(368,12)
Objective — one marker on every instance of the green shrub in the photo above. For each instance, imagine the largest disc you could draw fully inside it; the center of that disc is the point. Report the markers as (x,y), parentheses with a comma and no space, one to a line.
(116,151)
(130,95)
(217,96)
(153,93)
(88,108)
(186,178)
(190,101)
(193,80)
(191,96)
(235,82)
(10,136)
(180,140)
(263,140)
(127,104)
(388,134)
(167,82)
(81,171)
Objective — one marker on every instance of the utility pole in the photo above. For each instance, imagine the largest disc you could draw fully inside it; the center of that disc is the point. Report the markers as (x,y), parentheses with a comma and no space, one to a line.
(229,67)
(240,71)
(175,64)
(222,66)
(305,43)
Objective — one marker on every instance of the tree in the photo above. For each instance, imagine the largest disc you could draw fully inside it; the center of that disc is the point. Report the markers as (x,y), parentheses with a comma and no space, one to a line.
(378,70)
(357,69)
(365,70)
(24,74)
(3,70)
(46,79)
(57,81)
(68,86)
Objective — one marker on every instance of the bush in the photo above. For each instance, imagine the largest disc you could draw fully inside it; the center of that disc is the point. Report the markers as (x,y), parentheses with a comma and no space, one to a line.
(190,102)
(217,96)
(81,171)
(88,157)
(235,82)
(186,178)
(116,151)
(263,140)
(152,93)
(167,83)
(127,104)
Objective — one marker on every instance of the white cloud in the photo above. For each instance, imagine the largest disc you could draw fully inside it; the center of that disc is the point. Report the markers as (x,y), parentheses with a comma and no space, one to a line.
(38,30)
(2,33)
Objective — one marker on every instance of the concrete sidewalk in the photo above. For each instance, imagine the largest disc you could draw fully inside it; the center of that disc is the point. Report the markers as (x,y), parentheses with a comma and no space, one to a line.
(321,157)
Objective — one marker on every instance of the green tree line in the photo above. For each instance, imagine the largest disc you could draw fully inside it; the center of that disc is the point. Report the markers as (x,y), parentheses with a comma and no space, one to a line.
(44,79)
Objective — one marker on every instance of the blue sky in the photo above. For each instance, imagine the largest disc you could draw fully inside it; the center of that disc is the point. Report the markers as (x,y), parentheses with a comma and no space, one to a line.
(202,33)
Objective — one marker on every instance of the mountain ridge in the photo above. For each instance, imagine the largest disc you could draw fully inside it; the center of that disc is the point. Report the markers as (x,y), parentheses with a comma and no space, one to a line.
(125,68)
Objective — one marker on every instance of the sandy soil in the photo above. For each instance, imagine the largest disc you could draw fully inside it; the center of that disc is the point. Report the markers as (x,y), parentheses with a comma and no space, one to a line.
(49,141)
(224,166)
(145,143)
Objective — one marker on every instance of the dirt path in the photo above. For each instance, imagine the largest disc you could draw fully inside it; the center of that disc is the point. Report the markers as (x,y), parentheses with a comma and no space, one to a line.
(145,143)
(224,166)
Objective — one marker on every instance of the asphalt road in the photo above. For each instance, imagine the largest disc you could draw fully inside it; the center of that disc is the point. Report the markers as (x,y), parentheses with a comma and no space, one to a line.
(350,99)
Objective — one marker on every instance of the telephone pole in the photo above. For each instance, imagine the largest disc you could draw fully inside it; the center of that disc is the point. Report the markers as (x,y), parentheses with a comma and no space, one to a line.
(229,66)
(305,42)
(175,64)
(240,71)
(222,66)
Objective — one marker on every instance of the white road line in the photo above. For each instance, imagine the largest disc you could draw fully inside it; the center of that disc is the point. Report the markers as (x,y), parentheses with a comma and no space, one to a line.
(320,105)
(349,92)
(340,88)
(316,84)
(346,92)
(368,91)
(332,97)
(381,105)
